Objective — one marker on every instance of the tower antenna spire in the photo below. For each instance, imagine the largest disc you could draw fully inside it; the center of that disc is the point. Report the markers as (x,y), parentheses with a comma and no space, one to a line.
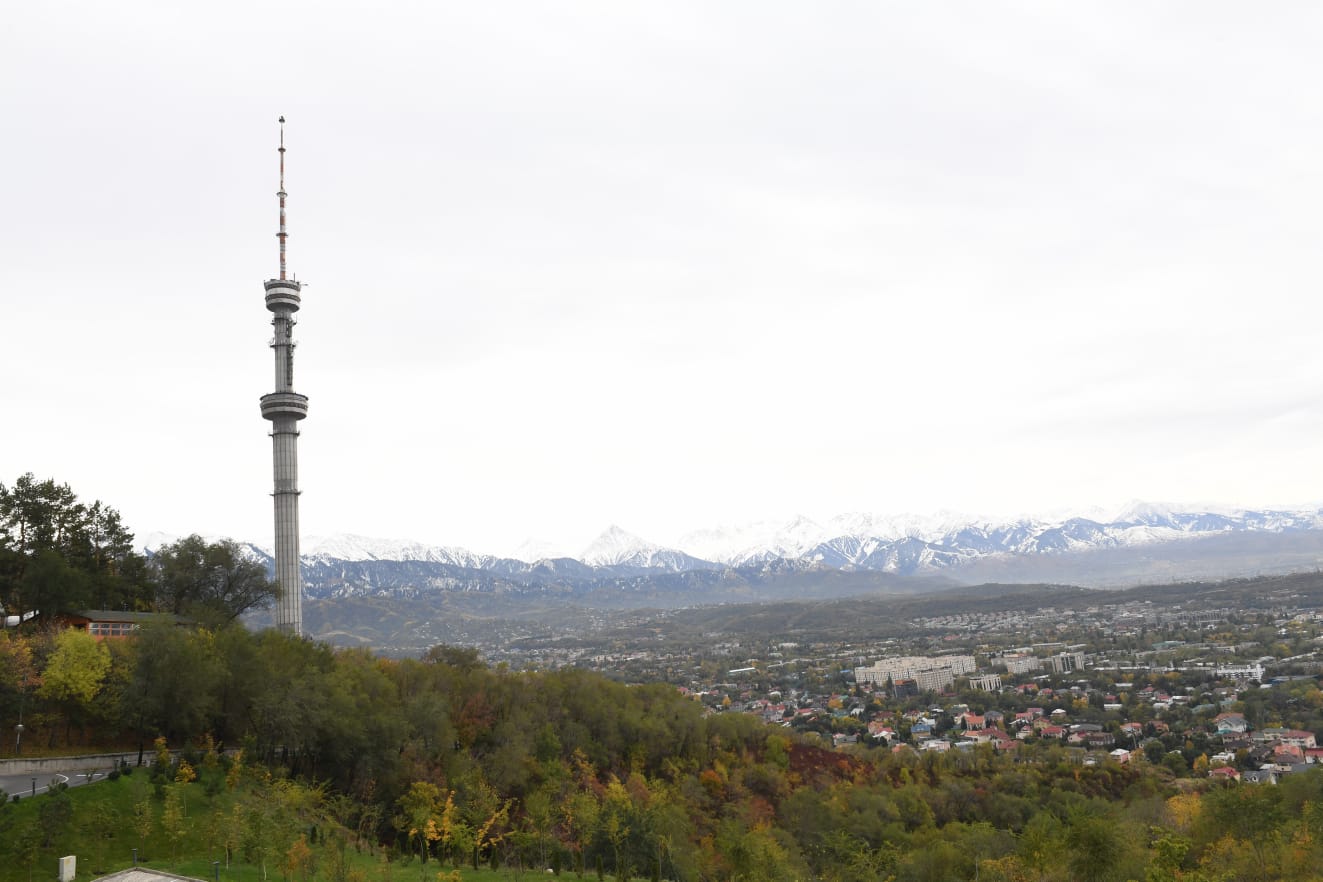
(282,235)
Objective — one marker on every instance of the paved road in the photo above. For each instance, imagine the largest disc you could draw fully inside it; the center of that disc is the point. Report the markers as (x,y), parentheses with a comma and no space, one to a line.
(24,785)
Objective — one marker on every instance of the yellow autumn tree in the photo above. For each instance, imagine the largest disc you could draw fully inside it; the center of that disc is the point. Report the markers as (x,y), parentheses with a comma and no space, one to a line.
(419,808)
(74,673)
(297,863)
(1183,809)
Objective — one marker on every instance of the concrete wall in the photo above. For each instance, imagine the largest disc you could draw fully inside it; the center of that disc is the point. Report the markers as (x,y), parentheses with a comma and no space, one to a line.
(53,764)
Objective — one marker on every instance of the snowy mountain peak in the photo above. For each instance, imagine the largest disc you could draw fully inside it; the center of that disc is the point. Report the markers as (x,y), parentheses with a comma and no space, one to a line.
(533,550)
(615,546)
(1139,512)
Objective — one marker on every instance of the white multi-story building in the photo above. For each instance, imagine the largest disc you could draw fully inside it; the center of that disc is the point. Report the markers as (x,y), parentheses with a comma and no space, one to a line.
(934,679)
(986,682)
(940,670)
(1021,664)
(1065,662)
(1240,672)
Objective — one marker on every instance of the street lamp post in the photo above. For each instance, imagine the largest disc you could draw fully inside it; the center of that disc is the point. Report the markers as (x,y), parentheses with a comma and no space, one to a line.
(18,730)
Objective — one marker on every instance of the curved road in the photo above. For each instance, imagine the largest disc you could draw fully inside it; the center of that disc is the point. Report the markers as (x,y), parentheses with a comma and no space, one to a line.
(74,775)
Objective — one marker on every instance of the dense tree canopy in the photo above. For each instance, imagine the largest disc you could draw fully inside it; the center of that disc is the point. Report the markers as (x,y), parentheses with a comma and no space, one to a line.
(57,553)
(444,759)
(209,581)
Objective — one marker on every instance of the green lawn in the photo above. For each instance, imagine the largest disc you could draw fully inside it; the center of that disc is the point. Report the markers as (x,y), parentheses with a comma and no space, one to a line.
(97,824)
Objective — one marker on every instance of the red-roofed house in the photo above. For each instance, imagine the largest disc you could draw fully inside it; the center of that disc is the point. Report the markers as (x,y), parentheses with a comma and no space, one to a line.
(983,736)
(879,729)
(1298,737)
(1288,753)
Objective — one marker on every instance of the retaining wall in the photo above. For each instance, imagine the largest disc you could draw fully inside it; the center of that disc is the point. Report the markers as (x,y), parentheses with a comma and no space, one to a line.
(52,764)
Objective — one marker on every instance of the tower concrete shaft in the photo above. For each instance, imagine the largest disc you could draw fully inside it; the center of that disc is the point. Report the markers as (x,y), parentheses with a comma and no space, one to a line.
(284,408)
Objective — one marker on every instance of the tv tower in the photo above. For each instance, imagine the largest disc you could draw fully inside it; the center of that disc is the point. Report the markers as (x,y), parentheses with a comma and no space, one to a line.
(284,408)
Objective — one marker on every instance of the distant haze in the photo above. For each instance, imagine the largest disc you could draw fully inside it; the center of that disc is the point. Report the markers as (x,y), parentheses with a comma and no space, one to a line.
(664,265)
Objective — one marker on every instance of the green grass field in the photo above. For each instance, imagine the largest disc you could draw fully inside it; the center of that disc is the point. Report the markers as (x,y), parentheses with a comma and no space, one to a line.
(98,824)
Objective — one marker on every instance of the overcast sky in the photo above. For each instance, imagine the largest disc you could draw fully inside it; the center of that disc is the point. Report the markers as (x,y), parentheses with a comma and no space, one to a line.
(666,265)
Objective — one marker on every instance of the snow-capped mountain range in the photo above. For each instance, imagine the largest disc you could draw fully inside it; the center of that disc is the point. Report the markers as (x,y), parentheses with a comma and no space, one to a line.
(902,545)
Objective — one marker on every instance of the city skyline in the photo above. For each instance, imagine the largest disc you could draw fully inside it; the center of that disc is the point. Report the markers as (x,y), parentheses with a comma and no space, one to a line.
(667,267)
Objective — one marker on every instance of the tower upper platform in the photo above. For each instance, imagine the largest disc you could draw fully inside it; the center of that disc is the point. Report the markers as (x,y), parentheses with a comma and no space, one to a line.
(276,405)
(282,295)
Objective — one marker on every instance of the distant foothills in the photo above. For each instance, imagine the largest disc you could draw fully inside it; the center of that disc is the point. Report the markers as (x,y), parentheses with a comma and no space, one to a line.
(846,556)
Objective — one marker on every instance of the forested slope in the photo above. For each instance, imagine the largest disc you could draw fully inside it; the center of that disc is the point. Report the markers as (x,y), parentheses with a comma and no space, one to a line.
(446,759)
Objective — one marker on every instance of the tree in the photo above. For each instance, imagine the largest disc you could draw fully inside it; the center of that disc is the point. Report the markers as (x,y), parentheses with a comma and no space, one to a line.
(18,673)
(233,828)
(615,824)
(49,585)
(174,816)
(1095,845)
(37,515)
(275,815)
(27,843)
(298,862)
(212,582)
(420,813)
(1040,843)
(173,686)
(261,830)
(54,815)
(75,671)
(99,823)
(1253,815)
(57,554)
(456,834)
(144,819)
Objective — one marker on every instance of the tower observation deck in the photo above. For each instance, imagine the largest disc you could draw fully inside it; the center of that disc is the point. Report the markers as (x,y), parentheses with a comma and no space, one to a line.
(284,408)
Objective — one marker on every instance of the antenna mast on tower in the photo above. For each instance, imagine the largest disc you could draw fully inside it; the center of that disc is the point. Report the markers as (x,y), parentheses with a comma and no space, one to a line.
(282,235)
